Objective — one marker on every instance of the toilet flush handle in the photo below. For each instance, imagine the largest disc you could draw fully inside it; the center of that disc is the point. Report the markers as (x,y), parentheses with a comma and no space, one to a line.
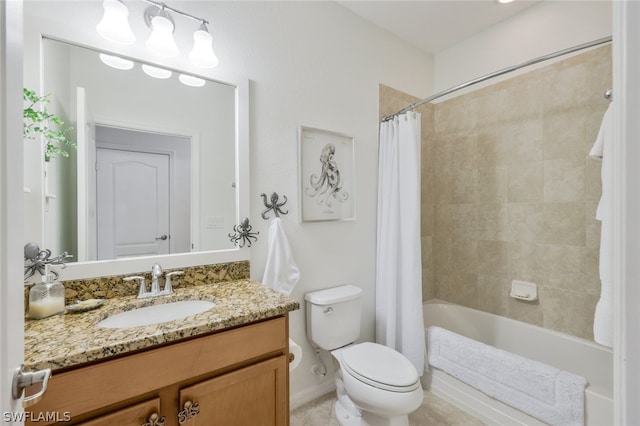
(329,310)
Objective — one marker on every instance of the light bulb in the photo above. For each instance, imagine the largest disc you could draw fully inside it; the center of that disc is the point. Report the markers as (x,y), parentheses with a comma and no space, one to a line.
(190,80)
(161,39)
(114,25)
(116,62)
(156,72)
(202,53)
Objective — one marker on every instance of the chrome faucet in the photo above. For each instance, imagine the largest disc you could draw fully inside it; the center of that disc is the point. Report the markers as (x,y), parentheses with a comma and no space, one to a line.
(156,273)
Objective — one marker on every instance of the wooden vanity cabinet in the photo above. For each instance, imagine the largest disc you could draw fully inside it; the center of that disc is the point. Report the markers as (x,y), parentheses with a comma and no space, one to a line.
(231,399)
(237,377)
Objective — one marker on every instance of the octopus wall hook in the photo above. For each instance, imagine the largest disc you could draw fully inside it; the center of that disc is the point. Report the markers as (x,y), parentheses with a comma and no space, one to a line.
(275,205)
(242,234)
(36,260)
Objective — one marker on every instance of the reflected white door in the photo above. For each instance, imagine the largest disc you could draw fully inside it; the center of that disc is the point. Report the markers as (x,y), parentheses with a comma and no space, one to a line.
(132,203)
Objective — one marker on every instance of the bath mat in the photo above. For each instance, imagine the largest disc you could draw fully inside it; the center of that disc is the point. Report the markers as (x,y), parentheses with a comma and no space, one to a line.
(540,390)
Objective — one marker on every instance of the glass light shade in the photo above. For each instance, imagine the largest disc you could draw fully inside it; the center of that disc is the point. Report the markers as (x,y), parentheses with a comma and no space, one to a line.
(161,39)
(116,62)
(114,25)
(202,53)
(190,80)
(156,72)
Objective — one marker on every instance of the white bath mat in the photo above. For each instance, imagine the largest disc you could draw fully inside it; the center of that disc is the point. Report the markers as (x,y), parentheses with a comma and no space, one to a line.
(540,390)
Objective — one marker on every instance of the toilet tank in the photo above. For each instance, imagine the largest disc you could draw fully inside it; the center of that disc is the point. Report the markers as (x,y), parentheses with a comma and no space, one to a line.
(333,316)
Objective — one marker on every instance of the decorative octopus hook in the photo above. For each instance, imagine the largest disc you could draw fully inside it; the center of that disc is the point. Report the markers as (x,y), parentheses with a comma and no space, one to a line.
(36,259)
(242,234)
(275,206)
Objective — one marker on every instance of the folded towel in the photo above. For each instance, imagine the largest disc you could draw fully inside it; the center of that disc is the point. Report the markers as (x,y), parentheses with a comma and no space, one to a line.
(281,271)
(540,390)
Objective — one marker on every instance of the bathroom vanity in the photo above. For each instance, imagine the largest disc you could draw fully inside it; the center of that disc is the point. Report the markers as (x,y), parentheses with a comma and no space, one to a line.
(226,366)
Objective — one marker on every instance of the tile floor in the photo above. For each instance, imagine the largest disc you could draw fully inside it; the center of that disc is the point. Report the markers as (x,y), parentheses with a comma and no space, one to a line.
(434,411)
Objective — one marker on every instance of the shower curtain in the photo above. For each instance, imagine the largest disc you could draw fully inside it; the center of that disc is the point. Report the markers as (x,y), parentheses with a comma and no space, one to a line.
(398,313)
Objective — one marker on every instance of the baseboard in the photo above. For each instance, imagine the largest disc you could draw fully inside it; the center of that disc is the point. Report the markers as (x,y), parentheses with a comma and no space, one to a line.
(310,394)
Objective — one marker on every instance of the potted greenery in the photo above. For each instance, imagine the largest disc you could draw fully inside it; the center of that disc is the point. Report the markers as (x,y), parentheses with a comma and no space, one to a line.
(37,120)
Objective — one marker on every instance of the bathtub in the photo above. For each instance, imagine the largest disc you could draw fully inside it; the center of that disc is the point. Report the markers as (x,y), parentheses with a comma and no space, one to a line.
(565,352)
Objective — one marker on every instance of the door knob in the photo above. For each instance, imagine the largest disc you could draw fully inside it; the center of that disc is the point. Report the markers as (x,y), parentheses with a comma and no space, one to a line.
(162,237)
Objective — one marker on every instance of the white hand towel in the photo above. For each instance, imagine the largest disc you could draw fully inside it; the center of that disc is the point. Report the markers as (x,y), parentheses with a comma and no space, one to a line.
(603,318)
(281,271)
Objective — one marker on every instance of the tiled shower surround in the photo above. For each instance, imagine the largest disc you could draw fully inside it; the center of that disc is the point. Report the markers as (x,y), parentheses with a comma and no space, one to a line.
(509,192)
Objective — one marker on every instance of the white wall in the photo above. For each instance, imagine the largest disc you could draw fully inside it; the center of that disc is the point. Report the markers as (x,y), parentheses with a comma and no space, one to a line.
(309,63)
(546,27)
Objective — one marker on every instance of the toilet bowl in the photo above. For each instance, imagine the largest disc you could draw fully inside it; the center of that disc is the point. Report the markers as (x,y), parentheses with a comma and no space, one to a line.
(375,385)
(379,381)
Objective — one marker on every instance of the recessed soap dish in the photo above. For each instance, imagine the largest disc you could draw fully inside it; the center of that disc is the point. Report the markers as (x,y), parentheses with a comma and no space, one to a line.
(523,290)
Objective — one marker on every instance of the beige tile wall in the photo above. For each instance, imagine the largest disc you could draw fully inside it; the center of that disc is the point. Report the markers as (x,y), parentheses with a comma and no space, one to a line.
(510,193)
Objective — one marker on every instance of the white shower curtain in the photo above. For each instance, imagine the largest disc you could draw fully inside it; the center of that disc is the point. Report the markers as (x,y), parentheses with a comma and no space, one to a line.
(399,322)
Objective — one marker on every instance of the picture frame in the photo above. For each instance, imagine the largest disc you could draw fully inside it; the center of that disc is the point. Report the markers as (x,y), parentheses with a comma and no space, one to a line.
(326,175)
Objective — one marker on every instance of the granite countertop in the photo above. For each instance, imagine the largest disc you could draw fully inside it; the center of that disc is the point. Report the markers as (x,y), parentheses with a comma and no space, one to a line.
(73,339)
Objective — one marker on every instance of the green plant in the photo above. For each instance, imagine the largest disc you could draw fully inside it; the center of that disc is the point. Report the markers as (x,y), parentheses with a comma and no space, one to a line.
(37,120)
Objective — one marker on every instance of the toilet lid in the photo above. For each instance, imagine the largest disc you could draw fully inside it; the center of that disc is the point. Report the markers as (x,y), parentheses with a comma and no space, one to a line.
(380,366)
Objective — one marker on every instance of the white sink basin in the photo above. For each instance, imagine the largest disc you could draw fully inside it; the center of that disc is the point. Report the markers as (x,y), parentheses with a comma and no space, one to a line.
(156,314)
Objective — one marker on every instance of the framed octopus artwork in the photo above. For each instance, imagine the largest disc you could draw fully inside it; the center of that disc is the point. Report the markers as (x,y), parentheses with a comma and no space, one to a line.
(326,175)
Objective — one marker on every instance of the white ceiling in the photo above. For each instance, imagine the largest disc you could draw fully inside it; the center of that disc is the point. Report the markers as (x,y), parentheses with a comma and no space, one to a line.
(434,25)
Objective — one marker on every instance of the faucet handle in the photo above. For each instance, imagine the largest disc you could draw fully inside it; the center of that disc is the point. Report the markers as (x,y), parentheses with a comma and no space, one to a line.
(143,287)
(167,280)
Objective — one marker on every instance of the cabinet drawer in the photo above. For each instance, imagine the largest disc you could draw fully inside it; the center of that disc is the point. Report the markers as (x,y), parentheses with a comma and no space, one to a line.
(112,382)
(135,415)
(252,396)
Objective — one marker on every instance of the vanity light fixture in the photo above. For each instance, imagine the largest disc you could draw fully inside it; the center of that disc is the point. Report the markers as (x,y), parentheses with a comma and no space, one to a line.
(116,62)
(190,80)
(161,39)
(114,25)
(202,53)
(156,72)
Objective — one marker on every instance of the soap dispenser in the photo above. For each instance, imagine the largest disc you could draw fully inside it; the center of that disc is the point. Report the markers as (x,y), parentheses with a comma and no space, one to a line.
(47,297)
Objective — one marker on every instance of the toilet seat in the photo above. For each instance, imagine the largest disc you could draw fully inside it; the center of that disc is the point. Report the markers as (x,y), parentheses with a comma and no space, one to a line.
(381,367)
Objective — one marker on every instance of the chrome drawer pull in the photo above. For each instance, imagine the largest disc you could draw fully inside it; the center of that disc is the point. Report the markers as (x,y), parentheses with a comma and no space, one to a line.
(191,409)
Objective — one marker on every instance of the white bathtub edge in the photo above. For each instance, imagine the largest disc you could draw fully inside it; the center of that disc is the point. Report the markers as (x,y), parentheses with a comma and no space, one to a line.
(476,403)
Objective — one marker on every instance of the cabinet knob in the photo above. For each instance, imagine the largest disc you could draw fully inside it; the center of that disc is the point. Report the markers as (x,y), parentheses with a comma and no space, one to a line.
(189,411)
(155,420)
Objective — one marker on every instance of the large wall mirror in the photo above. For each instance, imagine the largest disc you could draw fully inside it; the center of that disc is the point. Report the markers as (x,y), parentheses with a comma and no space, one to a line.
(154,168)
(159,172)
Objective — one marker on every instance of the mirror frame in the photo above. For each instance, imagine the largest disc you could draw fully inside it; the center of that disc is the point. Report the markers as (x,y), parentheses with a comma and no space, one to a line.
(37,28)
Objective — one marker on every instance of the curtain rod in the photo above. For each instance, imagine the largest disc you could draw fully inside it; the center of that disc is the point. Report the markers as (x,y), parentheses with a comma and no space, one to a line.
(499,73)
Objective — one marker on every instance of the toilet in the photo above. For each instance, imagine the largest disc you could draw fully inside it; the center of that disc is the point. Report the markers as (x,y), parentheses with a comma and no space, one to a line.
(375,385)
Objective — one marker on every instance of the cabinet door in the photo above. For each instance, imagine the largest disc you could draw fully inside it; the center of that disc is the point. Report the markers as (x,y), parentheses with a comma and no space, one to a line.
(256,395)
(134,415)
